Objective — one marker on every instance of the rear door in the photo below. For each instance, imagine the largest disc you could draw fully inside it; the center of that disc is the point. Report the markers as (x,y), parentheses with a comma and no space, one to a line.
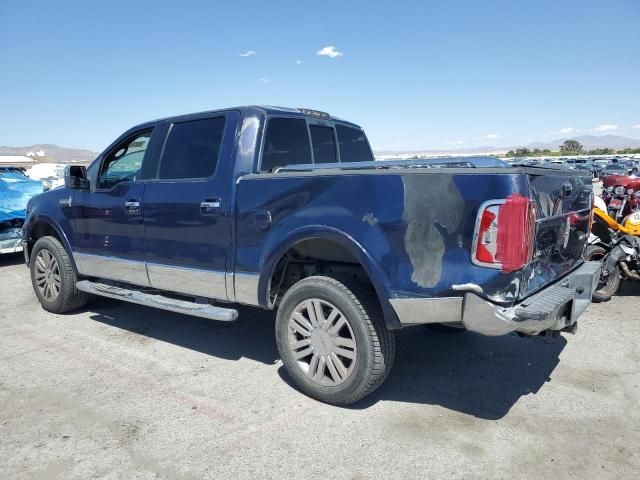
(187,222)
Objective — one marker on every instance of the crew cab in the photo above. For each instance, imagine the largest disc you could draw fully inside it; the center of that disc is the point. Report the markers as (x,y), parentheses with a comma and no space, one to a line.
(287,209)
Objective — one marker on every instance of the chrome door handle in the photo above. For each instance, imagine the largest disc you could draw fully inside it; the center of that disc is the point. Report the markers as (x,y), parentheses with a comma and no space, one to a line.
(210,206)
(132,206)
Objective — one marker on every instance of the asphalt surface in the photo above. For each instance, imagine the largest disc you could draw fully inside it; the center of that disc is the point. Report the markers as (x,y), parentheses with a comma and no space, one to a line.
(123,391)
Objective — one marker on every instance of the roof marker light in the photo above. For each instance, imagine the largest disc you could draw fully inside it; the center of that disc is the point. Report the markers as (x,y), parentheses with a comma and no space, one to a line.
(315,114)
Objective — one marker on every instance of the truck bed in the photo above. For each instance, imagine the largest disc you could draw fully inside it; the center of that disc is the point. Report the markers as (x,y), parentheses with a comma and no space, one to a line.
(416,222)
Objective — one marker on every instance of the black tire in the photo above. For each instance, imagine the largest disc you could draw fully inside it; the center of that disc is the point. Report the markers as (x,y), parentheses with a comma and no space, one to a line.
(68,297)
(374,343)
(609,284)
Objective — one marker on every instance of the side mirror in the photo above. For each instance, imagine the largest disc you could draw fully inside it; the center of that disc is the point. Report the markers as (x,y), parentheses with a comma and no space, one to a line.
(75,176)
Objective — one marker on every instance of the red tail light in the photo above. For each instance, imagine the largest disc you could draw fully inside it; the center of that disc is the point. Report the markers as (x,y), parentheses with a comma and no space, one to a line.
(504,234)
(487,243)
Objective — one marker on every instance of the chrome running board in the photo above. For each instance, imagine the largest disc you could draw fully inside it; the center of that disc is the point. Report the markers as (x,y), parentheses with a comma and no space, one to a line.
(159,301)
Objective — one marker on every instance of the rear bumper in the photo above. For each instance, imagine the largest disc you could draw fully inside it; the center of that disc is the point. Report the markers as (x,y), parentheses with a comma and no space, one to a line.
(555,308)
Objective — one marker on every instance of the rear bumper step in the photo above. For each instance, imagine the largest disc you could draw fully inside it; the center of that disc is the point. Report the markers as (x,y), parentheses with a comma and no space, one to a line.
(159,301)
(556,307)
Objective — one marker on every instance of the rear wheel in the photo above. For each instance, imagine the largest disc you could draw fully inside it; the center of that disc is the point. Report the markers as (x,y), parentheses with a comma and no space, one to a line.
(609,281)
(332,339)
(53,278)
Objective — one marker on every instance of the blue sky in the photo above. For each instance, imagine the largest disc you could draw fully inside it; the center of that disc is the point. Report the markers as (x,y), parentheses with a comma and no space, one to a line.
(415,75)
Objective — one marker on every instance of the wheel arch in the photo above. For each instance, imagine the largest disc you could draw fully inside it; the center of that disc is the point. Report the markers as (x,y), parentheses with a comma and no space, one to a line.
(341,239)
(40,226)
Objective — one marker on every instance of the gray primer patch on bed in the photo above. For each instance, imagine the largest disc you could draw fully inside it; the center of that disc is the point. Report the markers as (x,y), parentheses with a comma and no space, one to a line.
(429,200)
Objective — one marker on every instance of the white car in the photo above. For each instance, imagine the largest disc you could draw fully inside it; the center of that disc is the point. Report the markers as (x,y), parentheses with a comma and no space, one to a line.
(51,174)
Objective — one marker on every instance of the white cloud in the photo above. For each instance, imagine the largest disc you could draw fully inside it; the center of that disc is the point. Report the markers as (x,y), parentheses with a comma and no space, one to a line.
(636,126)
(264,80)
(329,51)
(606,128)
(564,131)
(248,53)
(298,62)
(490,136)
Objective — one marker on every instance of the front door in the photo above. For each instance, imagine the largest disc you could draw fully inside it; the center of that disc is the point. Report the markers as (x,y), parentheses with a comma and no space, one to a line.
(187,207)
(108,229)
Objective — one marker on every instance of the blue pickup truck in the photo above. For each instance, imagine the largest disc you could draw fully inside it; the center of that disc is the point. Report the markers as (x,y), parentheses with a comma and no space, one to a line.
(286,209)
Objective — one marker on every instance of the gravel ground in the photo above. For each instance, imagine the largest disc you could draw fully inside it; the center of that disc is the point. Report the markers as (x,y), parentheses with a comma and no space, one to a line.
(123,391)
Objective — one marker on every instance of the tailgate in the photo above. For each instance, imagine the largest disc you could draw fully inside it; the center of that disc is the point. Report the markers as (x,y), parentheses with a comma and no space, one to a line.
(563,206)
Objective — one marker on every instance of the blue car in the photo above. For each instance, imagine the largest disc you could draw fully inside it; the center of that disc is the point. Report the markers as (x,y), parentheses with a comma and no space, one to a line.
(16,189)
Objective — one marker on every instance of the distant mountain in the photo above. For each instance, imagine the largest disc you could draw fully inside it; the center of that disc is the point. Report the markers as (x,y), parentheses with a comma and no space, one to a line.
(386,154)
(52,153)
(589,142)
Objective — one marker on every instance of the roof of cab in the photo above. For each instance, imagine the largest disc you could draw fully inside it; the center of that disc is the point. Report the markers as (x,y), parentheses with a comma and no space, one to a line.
(267,110)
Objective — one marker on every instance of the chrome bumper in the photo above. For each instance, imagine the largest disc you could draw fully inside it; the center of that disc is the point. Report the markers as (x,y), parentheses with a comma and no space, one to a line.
(556,307)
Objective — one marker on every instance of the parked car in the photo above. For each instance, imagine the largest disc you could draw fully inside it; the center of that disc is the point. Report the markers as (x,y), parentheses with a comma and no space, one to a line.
(51,174)
(8,169)
(596,169)
(631,166)
(613,169)
(557,161)
(286,209)
(15,191)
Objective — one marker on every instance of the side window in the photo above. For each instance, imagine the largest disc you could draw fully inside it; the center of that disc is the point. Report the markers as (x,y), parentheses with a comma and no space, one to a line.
(324,144)
(286,143)
(192,149)
(353,145)
(124,162)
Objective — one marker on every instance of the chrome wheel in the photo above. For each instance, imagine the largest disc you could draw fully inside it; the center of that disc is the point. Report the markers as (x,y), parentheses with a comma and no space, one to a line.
(322,342)
(47,275)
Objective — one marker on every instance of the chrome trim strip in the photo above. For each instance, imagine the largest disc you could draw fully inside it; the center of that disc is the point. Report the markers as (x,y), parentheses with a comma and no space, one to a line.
(228,281)
(418,310)
(189,281)
(17,249)
(113,268)
(246,288)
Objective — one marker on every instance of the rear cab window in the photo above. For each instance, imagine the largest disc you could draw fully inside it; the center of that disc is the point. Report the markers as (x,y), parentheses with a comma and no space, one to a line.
(299,141)
(323,140)
(354,146)
(286,142)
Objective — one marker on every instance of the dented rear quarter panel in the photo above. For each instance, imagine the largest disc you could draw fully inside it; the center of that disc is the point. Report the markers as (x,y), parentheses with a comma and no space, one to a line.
(411,229)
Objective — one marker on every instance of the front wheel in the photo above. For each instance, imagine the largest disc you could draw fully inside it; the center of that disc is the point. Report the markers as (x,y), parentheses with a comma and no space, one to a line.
(332,339)
(53,278)
(609,282)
